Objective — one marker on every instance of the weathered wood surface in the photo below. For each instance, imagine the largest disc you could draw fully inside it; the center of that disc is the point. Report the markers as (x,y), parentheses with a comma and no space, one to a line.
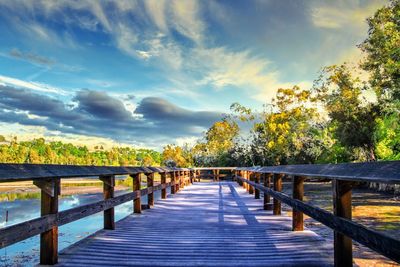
(21,231)
(206,224)
(381,171)
(379,242)
(21,172)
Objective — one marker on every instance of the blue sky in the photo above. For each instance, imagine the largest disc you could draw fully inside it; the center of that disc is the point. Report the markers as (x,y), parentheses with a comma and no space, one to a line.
(149,73)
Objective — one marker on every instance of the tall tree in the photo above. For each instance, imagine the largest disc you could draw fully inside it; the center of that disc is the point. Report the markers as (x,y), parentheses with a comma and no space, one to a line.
(382,49)
(351,115)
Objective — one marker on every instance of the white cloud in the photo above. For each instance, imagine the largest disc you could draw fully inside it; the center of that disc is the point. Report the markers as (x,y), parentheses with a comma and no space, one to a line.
(36,86)
(186,141)
(345,14)
(187,19)
(254,74)
(156,10)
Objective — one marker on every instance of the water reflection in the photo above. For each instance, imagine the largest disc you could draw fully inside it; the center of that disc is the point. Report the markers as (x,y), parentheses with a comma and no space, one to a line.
(26,253)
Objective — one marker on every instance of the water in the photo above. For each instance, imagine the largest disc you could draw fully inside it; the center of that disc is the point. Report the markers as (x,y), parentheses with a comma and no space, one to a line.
(26,253)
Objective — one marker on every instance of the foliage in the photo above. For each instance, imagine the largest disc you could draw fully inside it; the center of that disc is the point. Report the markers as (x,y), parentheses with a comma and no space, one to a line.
(177,156)
(40,151)
(382,49)
(350,113)
(217,143)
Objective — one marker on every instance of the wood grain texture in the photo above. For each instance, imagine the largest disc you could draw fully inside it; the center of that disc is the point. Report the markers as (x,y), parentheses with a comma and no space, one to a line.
(376,241)
(108,193)
(343,245)
(298,193)
(277,208)
(21,231)
(49,238)
(206,224)
(380,171)
(136,183)
(26,172)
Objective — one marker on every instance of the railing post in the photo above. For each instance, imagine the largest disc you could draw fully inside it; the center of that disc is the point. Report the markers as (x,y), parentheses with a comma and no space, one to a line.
(298,193)
(244,175)
(277,187)
(257,180)
(343,253)
(108,192)
(240,173)
(178,181)
(137,206)
(181,177)
(217,172)
(163,182)
(150,184)
(173,181)
(251,178)
(50,190)
(267,198)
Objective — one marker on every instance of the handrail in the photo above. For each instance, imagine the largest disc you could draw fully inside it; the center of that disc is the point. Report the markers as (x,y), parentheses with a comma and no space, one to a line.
(269,181)
(376,172)
(26,172)
(47,178)
(255,179)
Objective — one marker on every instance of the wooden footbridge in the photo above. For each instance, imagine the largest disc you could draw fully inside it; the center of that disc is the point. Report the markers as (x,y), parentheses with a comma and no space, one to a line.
(216,223)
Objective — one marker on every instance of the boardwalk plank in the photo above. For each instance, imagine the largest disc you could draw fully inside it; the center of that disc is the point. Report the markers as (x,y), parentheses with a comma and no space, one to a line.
(206,224)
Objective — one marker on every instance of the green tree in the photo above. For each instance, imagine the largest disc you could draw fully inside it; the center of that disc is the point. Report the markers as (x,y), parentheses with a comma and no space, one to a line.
(382,49)
(352,117)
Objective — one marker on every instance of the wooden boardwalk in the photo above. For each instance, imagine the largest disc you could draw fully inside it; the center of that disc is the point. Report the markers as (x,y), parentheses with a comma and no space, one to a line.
(206,224)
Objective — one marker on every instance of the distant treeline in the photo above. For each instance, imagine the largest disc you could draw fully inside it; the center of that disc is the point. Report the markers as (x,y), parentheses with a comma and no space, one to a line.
(40,151)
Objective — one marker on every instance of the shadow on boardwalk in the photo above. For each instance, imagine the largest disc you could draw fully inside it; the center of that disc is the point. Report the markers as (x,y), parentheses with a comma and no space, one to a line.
(206,224)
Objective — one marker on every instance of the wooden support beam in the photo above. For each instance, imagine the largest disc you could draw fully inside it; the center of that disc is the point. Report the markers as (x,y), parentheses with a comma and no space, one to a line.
(163,181)
(343,251)
(181,180)
(150,184)
(217,173)
(257,180)
(50,190)
(240,174)
(137,206)
(193,176)
(244,173)
(298,193)
(250,176)
(267,198)
(173,181)
(277,187)
(108,192)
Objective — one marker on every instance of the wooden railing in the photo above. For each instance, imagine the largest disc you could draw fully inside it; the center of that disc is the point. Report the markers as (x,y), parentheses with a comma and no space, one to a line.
(256,180)
(47,178)
(344,177)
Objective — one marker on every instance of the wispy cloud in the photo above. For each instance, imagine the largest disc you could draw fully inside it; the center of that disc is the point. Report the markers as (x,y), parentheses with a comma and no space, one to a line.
(31,57)
(346,14)
(36,86)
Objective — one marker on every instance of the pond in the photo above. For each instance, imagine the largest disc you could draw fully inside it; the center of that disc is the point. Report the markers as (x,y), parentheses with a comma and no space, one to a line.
(23,208)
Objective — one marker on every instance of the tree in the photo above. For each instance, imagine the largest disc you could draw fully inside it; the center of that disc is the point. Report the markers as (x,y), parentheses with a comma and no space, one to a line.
(286,128)
(382,49)
(218,141)
(351,116)
(176,156)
